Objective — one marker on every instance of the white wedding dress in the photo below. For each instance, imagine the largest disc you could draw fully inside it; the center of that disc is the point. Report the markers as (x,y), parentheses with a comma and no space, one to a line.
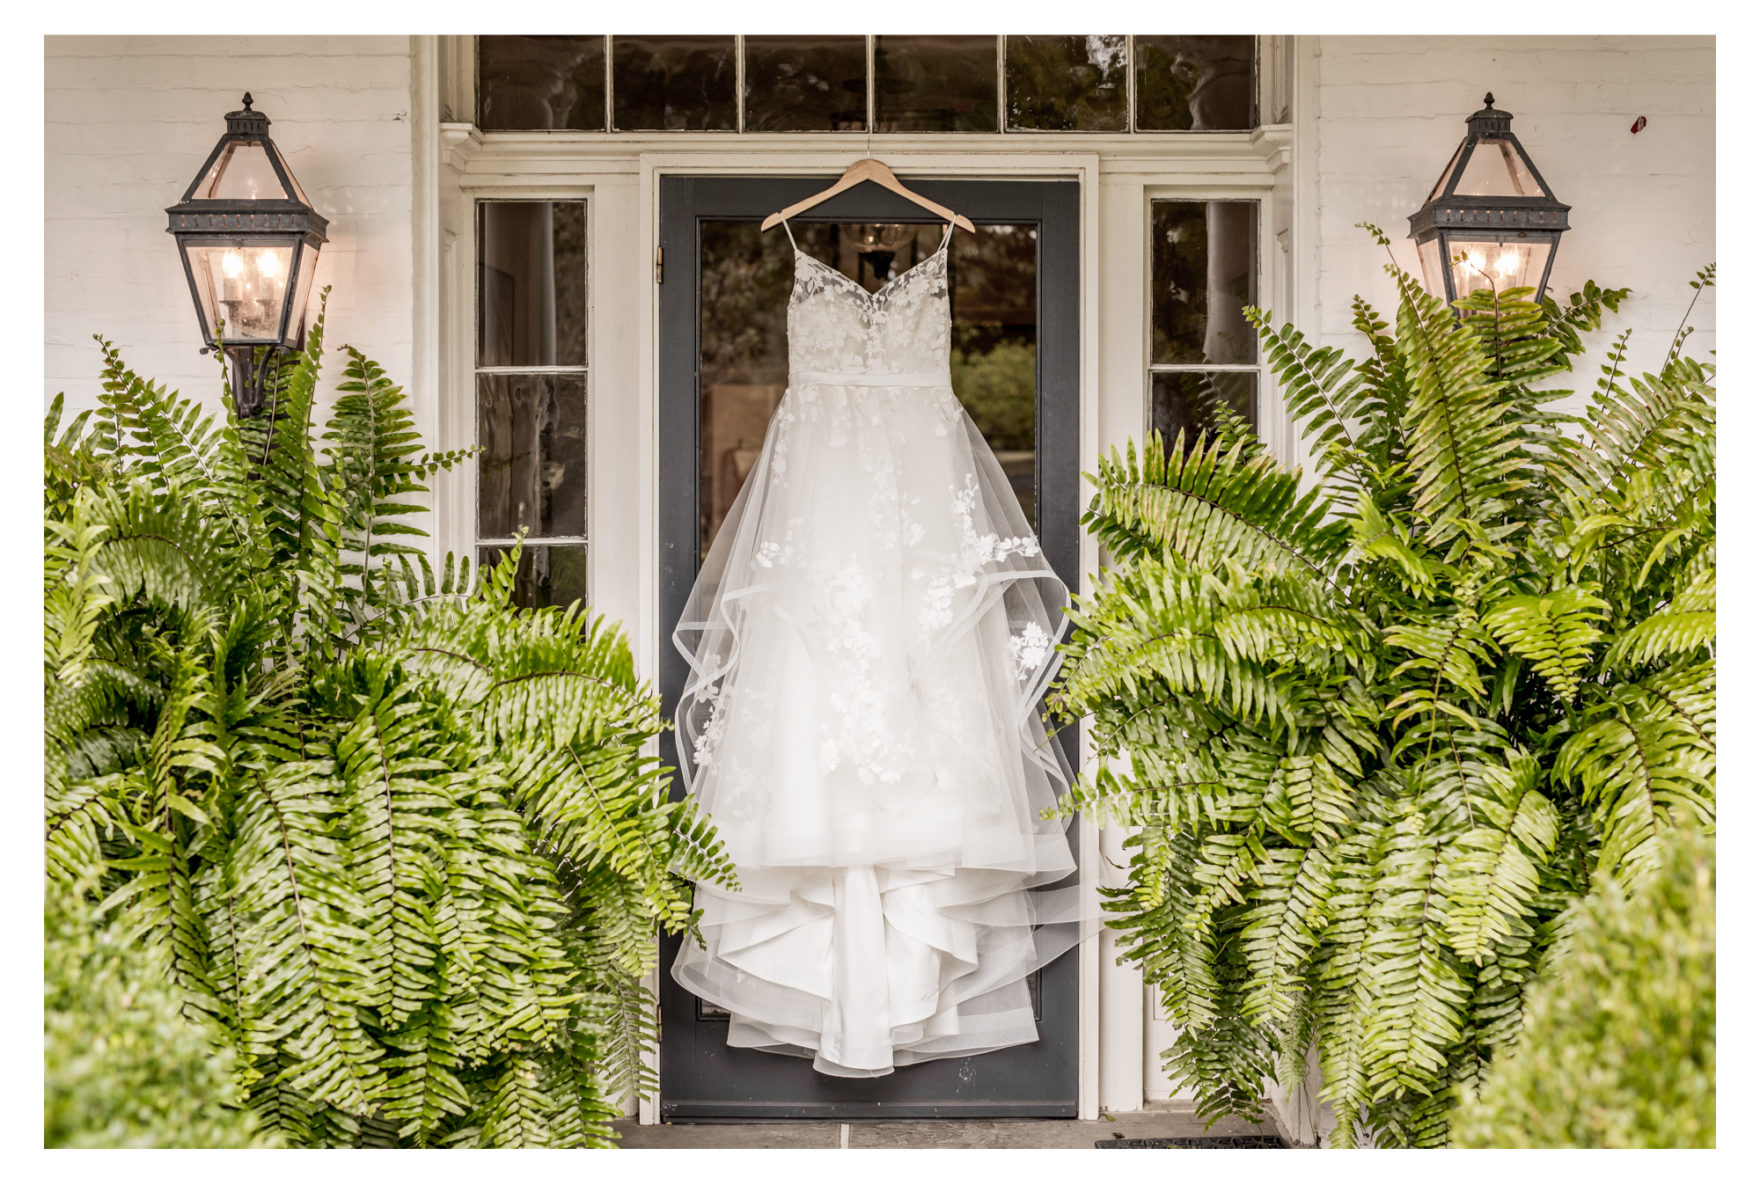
(868,638)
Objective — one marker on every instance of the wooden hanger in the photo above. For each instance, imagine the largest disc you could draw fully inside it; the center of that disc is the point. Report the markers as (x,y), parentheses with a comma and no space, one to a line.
(867,168)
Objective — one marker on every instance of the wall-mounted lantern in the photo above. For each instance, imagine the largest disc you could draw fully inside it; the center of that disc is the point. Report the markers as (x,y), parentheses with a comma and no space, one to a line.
(1491,222)
(249,241)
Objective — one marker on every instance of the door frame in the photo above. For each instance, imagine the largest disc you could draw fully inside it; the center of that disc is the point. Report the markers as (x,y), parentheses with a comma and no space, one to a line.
(700,1078)
(1083,168)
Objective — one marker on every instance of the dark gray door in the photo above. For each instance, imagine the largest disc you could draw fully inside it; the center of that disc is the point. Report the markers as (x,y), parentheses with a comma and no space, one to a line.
(722,367)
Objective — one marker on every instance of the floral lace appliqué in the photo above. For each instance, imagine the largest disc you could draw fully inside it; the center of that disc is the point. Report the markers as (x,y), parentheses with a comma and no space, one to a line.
(1029,649)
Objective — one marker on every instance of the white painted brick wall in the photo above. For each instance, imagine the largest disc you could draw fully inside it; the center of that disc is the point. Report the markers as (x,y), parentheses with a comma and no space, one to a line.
(1643,207)
(128,120)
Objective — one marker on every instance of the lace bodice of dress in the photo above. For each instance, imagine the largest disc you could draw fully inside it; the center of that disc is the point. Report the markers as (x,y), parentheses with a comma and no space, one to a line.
(837,326)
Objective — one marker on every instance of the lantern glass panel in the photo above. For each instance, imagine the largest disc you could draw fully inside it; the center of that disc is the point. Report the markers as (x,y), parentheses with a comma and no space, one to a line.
(299,193)
(1498,265)
(243,283)
(242,172)
(302,295)
(1430,259)
(1442,180)
(1496,169)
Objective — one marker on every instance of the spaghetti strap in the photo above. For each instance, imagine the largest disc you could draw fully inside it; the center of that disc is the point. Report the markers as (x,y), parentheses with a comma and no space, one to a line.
(790,233)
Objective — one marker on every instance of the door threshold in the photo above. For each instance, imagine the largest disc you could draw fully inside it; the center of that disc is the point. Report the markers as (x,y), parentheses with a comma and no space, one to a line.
(936,1133)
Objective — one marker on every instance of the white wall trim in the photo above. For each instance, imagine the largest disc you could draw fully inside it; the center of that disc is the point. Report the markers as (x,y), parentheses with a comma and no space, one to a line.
(424,389)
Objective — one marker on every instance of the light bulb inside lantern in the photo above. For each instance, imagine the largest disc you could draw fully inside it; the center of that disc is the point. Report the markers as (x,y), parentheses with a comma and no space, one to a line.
(232,264)
(1476,260)
(268,265)
(1507,263)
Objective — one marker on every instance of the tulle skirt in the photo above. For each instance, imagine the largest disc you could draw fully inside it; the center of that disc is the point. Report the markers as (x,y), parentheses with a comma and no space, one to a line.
(868,639)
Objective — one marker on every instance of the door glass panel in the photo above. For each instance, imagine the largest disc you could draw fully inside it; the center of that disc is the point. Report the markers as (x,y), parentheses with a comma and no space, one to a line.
(1066,83)
(673,83)
(935,83)
(1195,83)
(806,83)
(746,280)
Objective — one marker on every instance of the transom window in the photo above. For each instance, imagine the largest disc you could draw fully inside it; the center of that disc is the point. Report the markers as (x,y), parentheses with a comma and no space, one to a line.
(1000,84)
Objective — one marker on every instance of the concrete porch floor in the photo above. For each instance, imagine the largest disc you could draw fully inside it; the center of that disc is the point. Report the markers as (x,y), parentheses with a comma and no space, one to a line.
(1160,1120)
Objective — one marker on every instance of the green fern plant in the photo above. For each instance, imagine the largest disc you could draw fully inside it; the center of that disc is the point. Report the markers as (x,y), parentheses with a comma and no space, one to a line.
(400,846)
(1375,731)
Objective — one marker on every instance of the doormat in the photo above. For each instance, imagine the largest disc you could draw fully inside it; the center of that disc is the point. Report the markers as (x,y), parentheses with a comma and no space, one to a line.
(1243,1142)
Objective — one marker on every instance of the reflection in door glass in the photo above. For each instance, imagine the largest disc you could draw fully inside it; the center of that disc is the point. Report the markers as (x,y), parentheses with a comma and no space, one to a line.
(746,279)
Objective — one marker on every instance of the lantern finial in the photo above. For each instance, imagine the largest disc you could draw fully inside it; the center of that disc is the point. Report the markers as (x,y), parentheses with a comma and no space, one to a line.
(1488,99)
(247,100)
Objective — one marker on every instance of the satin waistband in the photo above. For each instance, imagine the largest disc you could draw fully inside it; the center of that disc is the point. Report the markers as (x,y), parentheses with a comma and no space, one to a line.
(797,377)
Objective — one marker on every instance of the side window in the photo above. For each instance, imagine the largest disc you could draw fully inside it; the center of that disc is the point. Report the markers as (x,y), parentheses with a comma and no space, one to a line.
(531,391)
(1203,270)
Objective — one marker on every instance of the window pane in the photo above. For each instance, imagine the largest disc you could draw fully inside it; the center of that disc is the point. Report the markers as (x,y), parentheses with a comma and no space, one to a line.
(673,83)
(1066,83)
(935,83)
(549,574)
(806,83)
(541,83)
(1188,401)
(1201,275)
(532,469)
(531,283)
(1195,83)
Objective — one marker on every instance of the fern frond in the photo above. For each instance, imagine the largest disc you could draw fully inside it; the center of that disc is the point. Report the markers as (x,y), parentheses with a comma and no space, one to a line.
(1281,928)
(1324,393)
(1492,879)
(1556,632)
(1462,449)
(1638,770)
(1210,504)
(1686,625)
